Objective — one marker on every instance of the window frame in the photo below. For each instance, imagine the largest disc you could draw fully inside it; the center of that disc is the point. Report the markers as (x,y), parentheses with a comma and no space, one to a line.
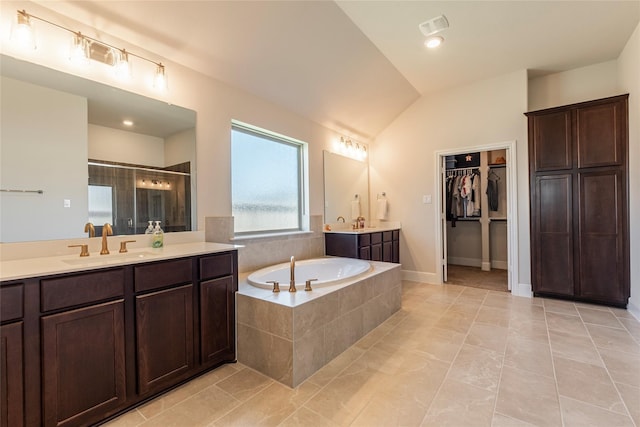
(302,174)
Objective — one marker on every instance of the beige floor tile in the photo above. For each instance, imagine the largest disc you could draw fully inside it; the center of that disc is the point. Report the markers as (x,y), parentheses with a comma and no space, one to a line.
(459,404)
(566,323)
(304,417)
(580,414)
(528,397)
(632,326)
(613,339)
(493,316)
(440,344)
(332,369)
(343,398)
(599,317)
(199,410)
(532,330)
(478,367)
(574,347)
(587,383)
(621,313)
(631,397)
(387,409)
(529,356)
(487,336)
(244,384)
(498,300)
(456,321)
(558,306)
(373,337)
(527,313)
(623,367)
(500,420)
(270,406)
(130,419)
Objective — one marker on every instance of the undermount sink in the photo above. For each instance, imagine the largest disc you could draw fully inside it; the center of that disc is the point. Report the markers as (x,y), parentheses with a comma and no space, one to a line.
(104,259)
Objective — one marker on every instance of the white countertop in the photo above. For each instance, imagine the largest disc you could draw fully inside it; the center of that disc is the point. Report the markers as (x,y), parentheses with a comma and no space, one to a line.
(374,229)
(35,267)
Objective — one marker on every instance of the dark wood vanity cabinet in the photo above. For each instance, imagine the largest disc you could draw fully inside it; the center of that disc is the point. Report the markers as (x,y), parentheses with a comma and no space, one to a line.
(578,198)
(102,341)
(11,356)
(375,246)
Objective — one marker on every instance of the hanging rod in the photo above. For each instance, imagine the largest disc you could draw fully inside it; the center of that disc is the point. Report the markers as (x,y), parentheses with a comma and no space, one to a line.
(21,191)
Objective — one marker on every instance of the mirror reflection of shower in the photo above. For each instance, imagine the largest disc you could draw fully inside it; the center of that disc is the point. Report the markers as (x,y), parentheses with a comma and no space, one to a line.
(128,196)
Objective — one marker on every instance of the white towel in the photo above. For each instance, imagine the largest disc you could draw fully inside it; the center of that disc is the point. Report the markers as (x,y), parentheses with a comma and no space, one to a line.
(355,209)
(382,209)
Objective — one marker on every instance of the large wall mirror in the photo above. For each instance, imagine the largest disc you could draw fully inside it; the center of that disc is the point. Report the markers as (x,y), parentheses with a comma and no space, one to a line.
(346,188)
(67,157)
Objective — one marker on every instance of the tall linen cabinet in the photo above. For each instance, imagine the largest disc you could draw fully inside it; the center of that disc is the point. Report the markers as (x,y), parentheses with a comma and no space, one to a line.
(578,200)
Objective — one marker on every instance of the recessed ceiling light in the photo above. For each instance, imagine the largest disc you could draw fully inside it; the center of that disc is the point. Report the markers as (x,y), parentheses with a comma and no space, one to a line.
(127,122)
(433,42)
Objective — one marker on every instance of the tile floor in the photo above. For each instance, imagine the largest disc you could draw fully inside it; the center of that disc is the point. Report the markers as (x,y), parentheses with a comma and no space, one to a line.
(494,280)
(453,355)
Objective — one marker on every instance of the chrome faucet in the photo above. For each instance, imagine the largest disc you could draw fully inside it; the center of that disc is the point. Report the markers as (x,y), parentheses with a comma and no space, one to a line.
(292,283)
(340,218)
(89,228)
(106,231)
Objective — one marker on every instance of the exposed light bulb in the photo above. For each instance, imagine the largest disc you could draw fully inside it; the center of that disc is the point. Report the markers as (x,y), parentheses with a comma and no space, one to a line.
(123,66)
(79,54)
(433,42)
(22,33)
(160,78)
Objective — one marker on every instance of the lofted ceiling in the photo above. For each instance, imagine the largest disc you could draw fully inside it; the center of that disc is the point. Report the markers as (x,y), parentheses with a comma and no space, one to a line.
(354,66)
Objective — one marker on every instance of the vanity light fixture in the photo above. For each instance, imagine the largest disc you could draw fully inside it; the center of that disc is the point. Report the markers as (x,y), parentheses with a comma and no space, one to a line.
(85,48)
(347,148)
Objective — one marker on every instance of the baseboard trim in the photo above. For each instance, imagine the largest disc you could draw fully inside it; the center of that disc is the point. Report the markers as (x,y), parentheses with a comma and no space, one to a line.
(422,277)
(634,310)
(522,290)
(474,262)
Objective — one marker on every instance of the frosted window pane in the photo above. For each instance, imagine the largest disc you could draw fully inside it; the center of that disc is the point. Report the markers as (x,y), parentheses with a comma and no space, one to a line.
(100,204)
(265,179)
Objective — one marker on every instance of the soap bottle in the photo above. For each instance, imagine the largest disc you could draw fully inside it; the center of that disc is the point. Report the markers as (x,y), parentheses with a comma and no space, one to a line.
(149,233)
(158,236)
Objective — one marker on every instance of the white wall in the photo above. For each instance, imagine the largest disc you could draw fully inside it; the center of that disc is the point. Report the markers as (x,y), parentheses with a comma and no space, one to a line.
(180,148)
(43,141)
(116,145)
(581,84)
(403,161)
(629,81)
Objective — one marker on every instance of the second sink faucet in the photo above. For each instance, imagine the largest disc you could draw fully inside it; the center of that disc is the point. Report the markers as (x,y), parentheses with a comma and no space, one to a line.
(106,231)
(89,228)
(292,282)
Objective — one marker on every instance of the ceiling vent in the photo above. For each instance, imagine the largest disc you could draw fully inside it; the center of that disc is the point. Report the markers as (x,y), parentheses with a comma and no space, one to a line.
(434,25)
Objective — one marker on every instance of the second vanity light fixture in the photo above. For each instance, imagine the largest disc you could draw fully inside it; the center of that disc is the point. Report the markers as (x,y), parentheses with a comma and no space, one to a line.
(351,149)
(85,48)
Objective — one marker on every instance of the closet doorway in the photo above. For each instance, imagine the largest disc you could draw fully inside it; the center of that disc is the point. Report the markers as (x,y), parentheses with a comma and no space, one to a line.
(477,224)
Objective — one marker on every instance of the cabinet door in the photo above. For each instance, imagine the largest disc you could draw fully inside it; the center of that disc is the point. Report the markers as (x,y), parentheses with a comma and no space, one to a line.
(376,252)
(387,251)
(552,149)
(344,245)
(364,252)
(601,134)
(83,364)
(11,376)
(552,241)
(164,327)
(217,315)
(602,233)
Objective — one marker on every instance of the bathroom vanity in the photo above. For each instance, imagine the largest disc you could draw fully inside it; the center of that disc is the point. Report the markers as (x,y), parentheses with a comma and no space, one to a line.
(373,244)
(83,340)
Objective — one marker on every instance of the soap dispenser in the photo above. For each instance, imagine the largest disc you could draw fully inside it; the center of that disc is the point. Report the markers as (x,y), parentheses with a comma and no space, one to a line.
(158,236)
(149,233)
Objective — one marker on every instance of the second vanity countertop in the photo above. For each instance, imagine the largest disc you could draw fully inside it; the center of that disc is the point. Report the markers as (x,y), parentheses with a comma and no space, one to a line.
(375,229)
(43,266)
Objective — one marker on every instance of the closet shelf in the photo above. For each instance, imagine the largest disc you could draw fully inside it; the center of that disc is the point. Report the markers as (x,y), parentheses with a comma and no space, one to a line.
(497,165)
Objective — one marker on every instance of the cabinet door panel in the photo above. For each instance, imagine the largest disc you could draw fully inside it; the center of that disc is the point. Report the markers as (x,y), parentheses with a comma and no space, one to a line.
(553,147)
(376,252)
(217,320)
(602,228)
(600,135)
(164,326)
(83,360)
(11,376)
(553,225)
(387,251)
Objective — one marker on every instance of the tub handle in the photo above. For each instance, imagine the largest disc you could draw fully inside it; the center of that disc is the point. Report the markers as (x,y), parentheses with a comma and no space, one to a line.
(276,285)
(307,284)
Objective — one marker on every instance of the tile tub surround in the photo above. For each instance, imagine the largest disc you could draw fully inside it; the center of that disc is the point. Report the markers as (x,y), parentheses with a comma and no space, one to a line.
(288,337)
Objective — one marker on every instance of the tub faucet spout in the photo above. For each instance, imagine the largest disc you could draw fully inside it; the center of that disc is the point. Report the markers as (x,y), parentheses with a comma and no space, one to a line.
(292,283)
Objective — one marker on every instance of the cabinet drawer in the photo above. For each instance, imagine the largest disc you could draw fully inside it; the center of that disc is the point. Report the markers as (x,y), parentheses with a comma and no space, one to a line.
(387,236)
(376,238)
(81,289)
(364,240)
(216,266)
(155,276)
(11,302)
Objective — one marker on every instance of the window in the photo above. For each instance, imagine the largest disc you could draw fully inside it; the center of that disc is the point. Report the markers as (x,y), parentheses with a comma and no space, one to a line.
(268,181)
(100,204)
